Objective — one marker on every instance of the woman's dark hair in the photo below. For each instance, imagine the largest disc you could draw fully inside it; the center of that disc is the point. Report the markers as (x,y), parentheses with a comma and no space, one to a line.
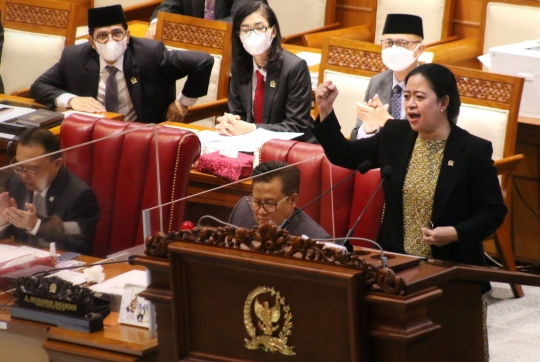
(242,60)
(443,83)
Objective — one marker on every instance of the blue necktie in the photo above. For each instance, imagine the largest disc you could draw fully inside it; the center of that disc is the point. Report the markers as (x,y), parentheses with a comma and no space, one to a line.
(395,102)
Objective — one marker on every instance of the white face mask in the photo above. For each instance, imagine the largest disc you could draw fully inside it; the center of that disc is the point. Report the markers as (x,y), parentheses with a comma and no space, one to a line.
(398,58)
(112,50)
(257,44)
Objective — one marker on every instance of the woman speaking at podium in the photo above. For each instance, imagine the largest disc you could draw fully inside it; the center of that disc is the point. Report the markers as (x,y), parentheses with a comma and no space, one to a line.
(443,198)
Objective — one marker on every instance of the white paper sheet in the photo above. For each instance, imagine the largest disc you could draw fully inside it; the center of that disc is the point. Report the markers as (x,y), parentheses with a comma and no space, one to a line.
(116,285)
(244,143)
(96,115)
(21,251)
(70,276)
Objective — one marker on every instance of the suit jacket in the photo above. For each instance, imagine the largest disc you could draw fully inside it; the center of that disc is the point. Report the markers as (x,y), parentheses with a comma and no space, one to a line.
(287,97)
(224,9)
(380,84)
(301,224)
(467,194)
(150,71)
(1,46)
(70,199)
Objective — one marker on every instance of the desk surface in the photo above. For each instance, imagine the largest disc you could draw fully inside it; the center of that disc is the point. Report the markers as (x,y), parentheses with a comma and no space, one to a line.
(115,337)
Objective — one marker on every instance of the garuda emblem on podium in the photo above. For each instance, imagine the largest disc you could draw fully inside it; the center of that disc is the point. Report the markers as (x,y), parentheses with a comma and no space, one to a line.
(268,315)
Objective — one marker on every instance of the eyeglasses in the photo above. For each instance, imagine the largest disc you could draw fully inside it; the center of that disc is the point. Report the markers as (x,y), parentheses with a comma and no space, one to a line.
(116,35)
(267,206)
(27,172)
(402,43)
(258,30)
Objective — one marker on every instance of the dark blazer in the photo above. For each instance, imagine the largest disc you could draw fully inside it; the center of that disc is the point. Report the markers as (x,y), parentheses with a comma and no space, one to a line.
(287,97)
(70,199)
(1,46)
(301,224)
(380,84)
(224,9)
(150,70)
(467,195)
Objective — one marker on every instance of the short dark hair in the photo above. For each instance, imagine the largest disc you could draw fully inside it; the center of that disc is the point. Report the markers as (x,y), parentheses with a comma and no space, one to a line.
(443,83)
(242,60)
(42,137)
(289,175)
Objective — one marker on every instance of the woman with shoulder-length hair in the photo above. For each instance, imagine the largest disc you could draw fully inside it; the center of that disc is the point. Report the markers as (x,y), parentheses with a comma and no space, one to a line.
(443,197)
(270,87)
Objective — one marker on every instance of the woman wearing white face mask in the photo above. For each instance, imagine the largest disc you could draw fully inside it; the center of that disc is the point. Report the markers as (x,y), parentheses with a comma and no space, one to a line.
(270,87)
(401,46)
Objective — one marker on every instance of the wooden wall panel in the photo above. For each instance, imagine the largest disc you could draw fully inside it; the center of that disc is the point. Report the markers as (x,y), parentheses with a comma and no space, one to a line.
(353,12)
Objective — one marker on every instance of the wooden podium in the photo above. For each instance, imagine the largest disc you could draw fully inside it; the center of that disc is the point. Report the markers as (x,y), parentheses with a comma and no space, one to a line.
(230,304)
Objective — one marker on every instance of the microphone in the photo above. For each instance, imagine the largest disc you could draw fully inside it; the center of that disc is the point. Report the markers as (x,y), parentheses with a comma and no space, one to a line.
(386,172)
(384,260)
(47,272)
(362,168)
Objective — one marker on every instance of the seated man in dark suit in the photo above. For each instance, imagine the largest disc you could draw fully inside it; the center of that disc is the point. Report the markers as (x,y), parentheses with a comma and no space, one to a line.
(222,10)
(44,201)
(273,199)
(142,85)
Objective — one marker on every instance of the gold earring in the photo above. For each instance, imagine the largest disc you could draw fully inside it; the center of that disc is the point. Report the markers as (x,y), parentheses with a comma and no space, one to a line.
(442,110)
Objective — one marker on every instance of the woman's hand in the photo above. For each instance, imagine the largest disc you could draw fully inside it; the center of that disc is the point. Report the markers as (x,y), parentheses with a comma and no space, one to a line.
(440,235)
(325,95)
(232,125)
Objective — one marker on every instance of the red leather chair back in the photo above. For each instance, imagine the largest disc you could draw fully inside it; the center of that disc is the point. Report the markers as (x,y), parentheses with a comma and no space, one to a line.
(337,211)
(122,171)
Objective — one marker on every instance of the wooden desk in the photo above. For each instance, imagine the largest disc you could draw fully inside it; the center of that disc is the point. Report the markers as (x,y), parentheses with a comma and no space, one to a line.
(29,341)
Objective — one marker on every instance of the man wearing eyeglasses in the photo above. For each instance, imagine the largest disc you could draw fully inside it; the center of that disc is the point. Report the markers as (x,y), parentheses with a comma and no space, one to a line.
(401,46)
(273,199)
(117,73)
(44,201)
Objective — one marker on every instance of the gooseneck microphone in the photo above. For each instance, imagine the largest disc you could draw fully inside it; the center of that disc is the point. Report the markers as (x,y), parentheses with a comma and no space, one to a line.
(386,172)
(362,168)
(47,272)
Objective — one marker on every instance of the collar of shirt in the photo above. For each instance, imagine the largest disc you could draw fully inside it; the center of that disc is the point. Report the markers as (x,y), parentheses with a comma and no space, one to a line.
(119,64)
(42,193)
(395,82)
(256,68)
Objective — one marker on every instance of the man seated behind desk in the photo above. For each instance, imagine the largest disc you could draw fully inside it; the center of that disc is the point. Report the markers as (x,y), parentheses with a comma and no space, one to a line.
(44,201)
(273,199)
(144,73)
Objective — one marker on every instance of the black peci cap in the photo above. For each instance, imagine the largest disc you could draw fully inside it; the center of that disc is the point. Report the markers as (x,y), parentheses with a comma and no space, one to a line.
(106,16)
(403,24)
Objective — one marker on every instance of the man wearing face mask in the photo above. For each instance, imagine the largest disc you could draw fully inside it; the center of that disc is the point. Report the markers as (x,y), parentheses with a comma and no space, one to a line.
(401,46)
(118,73)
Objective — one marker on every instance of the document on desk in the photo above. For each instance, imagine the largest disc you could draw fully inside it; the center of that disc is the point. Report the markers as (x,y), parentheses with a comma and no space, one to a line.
(15,113)
(310,58)
(249,142)
(21,251)
(116,285)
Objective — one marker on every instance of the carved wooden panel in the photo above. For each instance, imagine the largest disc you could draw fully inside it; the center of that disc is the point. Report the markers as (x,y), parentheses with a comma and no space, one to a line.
(37,15)
(355,59)
(484,89)
(195,35)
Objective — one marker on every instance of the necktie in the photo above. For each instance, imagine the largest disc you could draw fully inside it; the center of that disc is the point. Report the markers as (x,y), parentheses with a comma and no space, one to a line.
(111,90)
(395,102)
(39,204)
(209,7)
(258,100)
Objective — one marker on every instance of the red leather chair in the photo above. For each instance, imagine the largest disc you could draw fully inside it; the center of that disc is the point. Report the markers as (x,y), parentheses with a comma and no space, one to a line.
(338,210)
(122,171)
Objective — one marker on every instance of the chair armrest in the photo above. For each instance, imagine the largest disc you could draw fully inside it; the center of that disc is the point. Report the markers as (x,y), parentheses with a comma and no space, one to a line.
(455,51)
(508,165)
(315,40)
(25,92)
(141,11)
(297,38)
(205,110)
